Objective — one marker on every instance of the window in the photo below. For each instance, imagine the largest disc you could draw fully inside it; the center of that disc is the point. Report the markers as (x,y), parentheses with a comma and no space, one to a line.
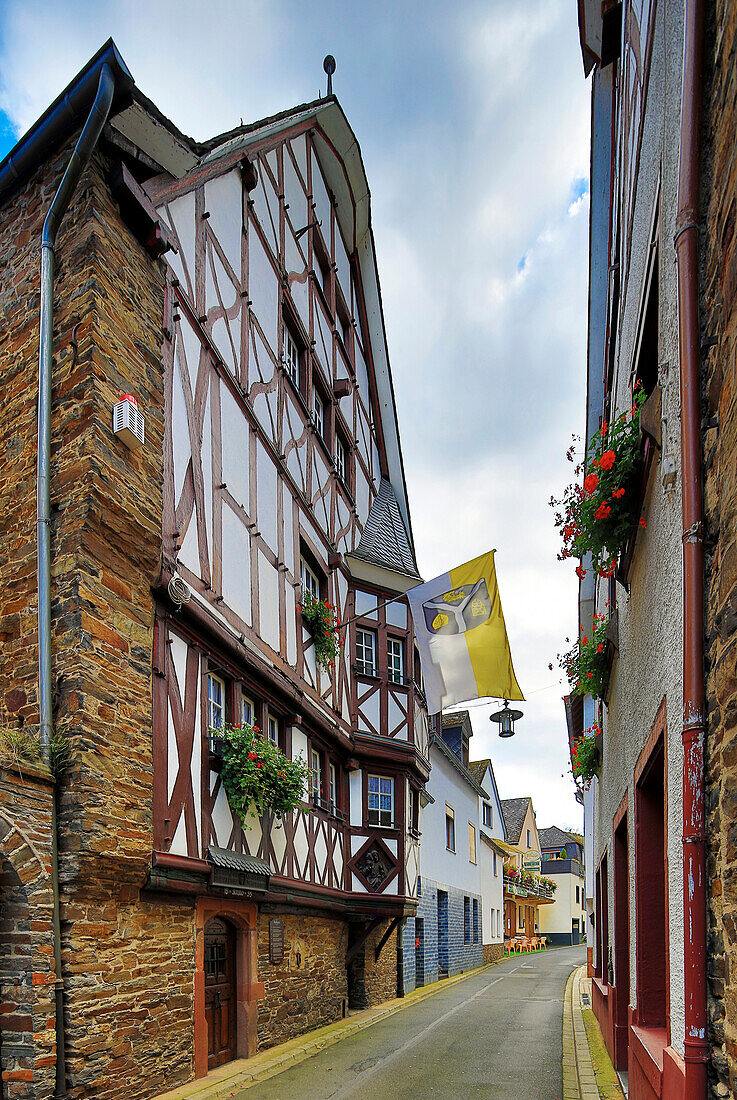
(381,801)
(248,710)
(577,896)
(333,786)
(472,842)
(520,921)
(309,578)
(487,815)
(315,774)
(215,701)
(475,920)
(493,923)
(529,839)
(395,660)
(318,413)
(450,828)
(499,930)
(496,867)
(291,356)
(341,459)
(366,651)
(272,728)
(414,818)
(466,920)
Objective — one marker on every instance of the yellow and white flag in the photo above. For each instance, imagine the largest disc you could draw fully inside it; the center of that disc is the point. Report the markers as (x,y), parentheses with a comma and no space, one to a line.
(460,632)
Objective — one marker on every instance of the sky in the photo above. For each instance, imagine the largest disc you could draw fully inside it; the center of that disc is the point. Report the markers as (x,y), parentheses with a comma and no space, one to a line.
(473,121)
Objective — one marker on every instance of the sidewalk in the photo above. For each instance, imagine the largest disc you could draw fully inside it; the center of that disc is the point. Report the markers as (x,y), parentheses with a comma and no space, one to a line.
(588,1073)
(244,1072)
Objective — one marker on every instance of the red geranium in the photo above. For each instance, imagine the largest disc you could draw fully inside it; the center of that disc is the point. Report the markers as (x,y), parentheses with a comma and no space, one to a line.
(602,511)
(618,493)
(590,483)
(580,572)
(607,460)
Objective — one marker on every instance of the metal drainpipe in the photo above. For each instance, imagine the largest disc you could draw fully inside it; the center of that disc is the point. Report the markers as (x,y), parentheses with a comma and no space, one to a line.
(81,155)
(696,1048)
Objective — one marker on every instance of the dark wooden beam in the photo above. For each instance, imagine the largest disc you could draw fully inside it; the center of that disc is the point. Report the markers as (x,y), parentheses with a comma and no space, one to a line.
(385,937)
(353,951)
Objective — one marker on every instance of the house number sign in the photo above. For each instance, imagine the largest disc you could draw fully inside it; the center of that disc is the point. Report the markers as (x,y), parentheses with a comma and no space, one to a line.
(276,941)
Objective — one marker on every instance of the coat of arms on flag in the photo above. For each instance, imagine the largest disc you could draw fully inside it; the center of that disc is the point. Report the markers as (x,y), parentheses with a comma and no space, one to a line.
(462,637)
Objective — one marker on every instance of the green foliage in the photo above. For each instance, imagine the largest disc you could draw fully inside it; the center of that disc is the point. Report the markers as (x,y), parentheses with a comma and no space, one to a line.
(19,743)
(257,776)
(585,756)
(321,619)
(60,753)
(586,663)
(598,515)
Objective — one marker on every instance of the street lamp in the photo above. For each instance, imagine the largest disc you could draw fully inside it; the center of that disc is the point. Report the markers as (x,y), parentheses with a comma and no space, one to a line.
(505,719)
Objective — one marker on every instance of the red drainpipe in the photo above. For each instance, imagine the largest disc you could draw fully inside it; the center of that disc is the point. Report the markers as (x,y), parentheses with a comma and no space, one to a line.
(696,1048)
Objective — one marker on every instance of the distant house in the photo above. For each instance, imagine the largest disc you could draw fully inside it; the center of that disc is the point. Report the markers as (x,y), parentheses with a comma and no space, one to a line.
(563,862)
(524,891)
(453,930)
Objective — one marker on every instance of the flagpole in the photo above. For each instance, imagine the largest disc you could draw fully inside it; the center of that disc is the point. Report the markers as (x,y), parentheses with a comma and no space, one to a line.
(373,610)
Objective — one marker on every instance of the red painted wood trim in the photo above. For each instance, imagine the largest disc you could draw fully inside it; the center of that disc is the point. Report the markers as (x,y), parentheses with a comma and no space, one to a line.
(181,863)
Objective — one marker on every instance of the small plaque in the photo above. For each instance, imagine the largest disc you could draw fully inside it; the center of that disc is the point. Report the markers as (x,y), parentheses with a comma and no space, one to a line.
(276,941)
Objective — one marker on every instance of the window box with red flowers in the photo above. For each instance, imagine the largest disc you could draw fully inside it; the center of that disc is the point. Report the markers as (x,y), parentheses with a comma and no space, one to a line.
(586,755)
(258,778)
(599,515)
(588,664)
(321,619)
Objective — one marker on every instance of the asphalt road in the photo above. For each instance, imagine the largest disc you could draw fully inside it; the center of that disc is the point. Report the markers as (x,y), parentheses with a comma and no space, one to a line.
(497,1035)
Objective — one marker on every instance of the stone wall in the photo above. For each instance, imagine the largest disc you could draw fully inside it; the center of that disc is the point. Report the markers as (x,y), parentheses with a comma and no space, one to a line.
(27,1035)
(719,411)
(106,508)
(309,988)
(492,952)
(128,965)
(129,971)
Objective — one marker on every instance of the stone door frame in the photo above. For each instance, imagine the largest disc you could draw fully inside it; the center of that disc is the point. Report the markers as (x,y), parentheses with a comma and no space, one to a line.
(243,915)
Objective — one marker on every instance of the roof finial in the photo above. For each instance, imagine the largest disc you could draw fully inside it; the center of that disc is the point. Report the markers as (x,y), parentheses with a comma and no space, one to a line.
(329,67)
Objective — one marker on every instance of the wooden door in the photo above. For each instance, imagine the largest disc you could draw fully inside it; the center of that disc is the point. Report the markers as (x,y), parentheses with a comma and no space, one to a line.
(529,921)
(510,919)
(220,986)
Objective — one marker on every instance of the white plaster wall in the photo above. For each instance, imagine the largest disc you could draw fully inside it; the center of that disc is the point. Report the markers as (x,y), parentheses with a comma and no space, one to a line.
(447,785)
(492,892)
(649,666)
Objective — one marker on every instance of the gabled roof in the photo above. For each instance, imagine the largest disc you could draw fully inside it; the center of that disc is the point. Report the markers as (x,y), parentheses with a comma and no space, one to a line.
(514,811)
(438,743)
(555,837)
(478,769)
(384,539)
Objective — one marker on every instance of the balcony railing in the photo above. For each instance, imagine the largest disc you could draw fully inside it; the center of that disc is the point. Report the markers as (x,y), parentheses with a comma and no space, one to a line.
(522,889)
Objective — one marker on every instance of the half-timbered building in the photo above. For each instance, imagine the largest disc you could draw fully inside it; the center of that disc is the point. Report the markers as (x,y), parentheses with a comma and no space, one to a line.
(231,289)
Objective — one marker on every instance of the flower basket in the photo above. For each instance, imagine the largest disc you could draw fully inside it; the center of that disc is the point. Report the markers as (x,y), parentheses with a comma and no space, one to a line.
(321,619)
(586,755)
(588,663)
(258,778)
(598,516)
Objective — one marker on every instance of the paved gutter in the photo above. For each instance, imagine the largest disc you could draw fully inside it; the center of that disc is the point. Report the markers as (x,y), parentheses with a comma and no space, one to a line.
(579,1077)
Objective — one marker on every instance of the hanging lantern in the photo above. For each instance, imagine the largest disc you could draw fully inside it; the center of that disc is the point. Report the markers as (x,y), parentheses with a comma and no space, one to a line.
(505,719)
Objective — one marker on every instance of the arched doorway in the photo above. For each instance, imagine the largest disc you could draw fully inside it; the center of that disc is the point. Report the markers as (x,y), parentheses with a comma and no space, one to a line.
(220,991)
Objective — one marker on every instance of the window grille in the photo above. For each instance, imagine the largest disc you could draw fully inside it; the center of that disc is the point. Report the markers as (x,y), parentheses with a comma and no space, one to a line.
(366,652)
(395,660)
(380,800)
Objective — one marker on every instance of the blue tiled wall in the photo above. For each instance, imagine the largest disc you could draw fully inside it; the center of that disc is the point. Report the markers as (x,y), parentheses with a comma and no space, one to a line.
(460,956)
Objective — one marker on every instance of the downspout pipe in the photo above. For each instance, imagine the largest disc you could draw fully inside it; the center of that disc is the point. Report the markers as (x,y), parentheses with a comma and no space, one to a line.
(80,157)
(696,1048)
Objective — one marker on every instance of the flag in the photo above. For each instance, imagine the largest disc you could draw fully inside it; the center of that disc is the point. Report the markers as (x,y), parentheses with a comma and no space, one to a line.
(461,636)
